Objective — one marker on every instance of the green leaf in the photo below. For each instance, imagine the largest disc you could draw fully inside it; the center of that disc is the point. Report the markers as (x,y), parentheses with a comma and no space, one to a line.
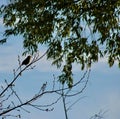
(2,41)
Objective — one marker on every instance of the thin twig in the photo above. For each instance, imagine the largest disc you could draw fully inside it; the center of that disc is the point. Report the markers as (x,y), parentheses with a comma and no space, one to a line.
(75,102)
(19,74)
(64,104)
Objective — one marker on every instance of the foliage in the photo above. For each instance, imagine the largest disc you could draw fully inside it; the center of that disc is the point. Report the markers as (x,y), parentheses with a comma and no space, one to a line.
(79,31)
(2,41)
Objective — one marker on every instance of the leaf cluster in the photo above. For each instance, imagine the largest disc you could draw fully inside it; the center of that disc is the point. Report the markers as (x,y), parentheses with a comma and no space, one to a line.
(73,30)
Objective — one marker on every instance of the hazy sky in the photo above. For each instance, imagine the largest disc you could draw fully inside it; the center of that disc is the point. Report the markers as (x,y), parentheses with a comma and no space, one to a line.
(102,92)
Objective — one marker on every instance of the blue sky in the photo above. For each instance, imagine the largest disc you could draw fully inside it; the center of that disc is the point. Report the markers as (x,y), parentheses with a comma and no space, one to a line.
(102,92)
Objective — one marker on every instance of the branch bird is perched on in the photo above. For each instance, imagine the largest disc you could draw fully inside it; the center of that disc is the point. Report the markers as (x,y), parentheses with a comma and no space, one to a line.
(25,61)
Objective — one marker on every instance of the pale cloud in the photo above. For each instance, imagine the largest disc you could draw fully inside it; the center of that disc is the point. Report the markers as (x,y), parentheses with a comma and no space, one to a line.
(8,59)
(114,105)
(7,63)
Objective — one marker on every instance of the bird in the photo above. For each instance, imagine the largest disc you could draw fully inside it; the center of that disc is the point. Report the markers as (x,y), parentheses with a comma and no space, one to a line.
(26,61)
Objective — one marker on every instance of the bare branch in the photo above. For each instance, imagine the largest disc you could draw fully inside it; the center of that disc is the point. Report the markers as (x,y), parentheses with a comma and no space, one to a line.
(64,104)
(48,105)
(75,102)
(26,103)
(35,106)
(63,95)
(76,84)
(19,74)
(99,115)
(16,95)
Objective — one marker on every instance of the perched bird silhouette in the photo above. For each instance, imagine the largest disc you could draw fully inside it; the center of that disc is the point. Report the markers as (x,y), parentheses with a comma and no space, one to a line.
(25,61)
